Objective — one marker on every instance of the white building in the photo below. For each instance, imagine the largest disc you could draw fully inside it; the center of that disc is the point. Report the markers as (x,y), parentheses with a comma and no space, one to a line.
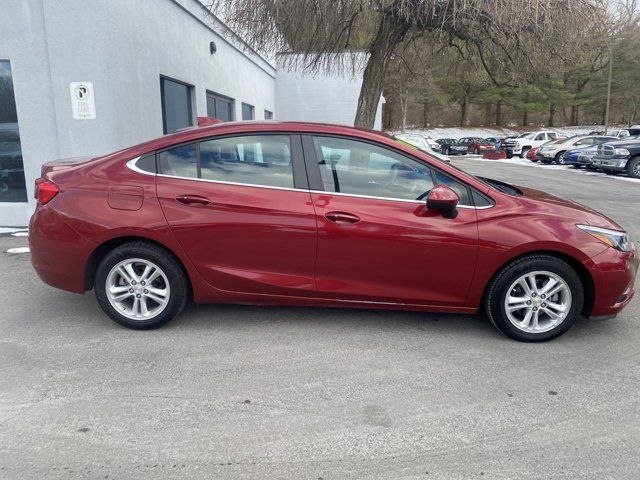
(84,78)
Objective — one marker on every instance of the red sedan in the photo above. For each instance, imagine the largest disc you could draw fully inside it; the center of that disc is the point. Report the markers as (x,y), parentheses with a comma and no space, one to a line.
(308,214)
(532,154)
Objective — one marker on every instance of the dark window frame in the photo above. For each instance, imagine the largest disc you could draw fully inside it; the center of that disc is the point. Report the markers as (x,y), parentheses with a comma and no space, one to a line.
(252,109)
(214,95)
(190,89)
(14,167)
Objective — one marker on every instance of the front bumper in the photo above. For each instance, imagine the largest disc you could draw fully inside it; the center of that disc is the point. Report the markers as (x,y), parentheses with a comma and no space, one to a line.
(614,163)
(585,160)
(513,149)
(613,274)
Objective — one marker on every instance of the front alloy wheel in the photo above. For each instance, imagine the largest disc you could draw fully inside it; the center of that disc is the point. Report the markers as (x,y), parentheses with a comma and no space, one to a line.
(538,302)
(534,298)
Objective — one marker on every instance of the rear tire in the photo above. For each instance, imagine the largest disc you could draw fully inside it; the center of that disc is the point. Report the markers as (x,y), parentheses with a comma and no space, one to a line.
(141,286)
(633,167)
(523,152)
(559,158)
(543,314)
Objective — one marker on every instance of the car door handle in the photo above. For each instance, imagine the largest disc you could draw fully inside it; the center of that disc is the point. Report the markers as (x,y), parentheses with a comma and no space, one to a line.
(193,200)
(342,217)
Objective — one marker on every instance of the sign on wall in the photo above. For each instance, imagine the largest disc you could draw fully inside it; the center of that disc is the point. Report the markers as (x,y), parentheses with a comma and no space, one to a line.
(82,100)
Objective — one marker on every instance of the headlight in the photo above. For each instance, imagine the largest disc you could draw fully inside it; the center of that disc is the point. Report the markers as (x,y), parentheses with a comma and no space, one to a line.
(621,151)
(614,238)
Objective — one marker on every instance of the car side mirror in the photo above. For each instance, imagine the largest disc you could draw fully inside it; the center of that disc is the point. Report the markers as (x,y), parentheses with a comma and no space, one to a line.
(444,200)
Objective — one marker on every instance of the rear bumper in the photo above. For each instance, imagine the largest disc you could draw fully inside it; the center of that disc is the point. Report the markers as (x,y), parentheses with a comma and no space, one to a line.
(614,276)
(58,253)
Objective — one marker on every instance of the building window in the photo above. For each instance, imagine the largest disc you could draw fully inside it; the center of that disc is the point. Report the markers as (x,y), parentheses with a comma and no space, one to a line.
(12,184)
(177,112)
(268,115)
(220,107)
(247,111)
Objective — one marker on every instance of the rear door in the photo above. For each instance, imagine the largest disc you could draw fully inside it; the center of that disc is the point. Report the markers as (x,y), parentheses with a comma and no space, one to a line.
(376,240)
(241,209)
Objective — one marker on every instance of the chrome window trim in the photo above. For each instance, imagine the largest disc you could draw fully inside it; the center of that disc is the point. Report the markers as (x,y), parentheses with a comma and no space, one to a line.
(131,164)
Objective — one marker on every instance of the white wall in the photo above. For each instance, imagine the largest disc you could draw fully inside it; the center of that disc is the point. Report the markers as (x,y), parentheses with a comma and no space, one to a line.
(318,97)
(123,47)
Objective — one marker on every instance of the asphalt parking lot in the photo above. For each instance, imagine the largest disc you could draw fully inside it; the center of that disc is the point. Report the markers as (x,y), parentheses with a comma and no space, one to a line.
(307,393)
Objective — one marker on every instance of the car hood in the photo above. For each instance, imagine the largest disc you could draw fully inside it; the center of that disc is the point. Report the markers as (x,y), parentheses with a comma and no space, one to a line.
(623,143)
(566,208)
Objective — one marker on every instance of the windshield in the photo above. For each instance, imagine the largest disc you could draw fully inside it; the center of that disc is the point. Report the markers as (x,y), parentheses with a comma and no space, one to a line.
(526,135)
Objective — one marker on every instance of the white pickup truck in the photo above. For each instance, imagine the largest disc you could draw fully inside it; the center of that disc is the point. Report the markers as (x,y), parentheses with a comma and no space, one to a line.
(521,144)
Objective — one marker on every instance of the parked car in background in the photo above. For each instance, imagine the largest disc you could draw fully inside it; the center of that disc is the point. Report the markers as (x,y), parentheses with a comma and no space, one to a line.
(308,214)
(526,141)
(621,156)
(477,145)
(573,157)
(495,141)
(415,140)
(435,146)
(532,154)
(451,146)
(625,132)
(419,142)
(553,152)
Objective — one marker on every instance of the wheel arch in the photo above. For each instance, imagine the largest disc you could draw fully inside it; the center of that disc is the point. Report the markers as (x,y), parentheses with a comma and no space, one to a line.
(104,248)
(583,273)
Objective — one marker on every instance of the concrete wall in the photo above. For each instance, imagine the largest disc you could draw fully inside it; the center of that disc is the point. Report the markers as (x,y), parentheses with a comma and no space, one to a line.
(123,47)
(317,97)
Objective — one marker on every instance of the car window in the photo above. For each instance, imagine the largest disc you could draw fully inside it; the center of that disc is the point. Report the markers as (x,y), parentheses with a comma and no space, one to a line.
(254,159)
(623,133)
(459,188)
(585,141)
(540,136)
(360,168)
(180,161)
(552,135)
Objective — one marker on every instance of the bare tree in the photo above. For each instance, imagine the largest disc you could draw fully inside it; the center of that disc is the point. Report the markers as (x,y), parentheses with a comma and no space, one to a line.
(318,29)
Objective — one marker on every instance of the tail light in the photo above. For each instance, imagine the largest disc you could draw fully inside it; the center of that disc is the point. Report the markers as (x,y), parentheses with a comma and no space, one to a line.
(45,191)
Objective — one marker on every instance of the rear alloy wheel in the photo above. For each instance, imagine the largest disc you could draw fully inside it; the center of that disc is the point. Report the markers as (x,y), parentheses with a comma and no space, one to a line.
(140,286)
(535,298)
(559,158)
(633,167)
(523,153)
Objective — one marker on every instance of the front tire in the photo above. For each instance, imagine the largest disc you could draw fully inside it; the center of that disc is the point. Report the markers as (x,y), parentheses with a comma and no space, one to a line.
(535,298)
(141,286)
(559,158)
(633,167)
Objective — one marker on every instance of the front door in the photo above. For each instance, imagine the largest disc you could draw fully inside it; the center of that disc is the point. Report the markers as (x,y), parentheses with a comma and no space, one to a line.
(376,240)
(242,211)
